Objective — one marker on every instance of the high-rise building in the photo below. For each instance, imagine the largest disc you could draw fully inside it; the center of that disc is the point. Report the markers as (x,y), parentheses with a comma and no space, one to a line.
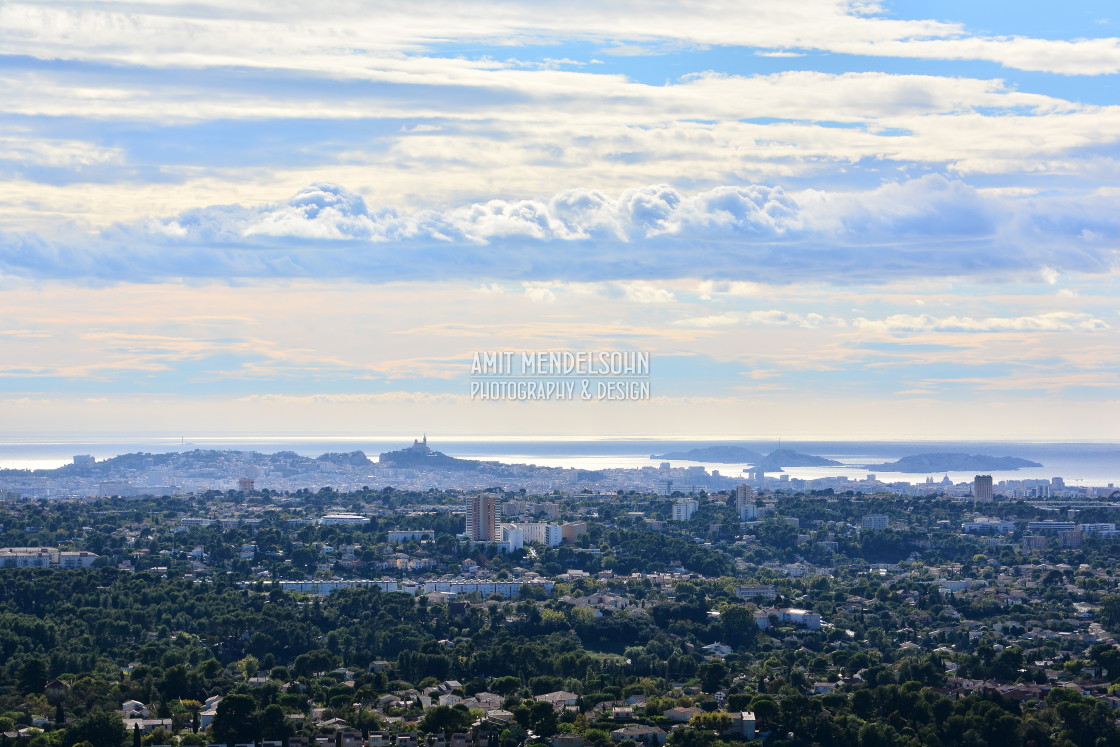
(982,487)
(482,518)
(744,503)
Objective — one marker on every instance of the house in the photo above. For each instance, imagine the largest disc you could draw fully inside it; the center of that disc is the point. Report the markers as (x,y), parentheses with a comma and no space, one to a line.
(568,740)
(718,649)
(789,615)
(743,723)
(206,718)
(148,725)
(651,736)
(55,687)
(560,699)
(681,715)
(484,701)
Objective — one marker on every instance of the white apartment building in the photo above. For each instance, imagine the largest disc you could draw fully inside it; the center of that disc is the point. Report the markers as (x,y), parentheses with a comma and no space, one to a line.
(684,510)
(542,534)
(330,519)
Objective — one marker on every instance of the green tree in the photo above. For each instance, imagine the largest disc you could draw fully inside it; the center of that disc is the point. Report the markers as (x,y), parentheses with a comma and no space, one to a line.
(444,719)
(738,625)
(33,675)
(717,721)
(692,738)
(712,674)
(99,728)
(235,719)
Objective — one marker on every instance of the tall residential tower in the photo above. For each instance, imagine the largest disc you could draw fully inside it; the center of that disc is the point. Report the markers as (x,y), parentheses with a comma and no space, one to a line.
(482,518)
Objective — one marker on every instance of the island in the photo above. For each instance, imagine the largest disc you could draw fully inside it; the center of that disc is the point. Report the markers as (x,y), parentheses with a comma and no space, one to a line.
(717,454)
(953,462)
(772,462)
(775,460)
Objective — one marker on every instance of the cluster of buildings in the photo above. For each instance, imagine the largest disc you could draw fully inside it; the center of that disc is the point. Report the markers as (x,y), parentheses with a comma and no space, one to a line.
(484,525)
(1038,535)
(45,557)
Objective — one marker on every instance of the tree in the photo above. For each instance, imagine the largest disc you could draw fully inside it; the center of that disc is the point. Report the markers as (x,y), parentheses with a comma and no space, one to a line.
(235,719)
(33,675)
(712,675)
(444,719)
(766,710)
(542,719)
(717,721)
(320,660)
(739,627)
(274,725)
(692,738)
(99,728)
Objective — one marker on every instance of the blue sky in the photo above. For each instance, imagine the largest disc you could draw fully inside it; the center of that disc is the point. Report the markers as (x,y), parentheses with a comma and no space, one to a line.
(852,218)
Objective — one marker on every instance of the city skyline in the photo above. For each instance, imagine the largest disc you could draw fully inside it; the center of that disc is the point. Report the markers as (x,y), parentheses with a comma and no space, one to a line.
(866,220)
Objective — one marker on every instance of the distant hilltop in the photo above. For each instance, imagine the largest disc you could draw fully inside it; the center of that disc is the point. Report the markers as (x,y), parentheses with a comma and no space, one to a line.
(953,462)
(772,462)
(420,456)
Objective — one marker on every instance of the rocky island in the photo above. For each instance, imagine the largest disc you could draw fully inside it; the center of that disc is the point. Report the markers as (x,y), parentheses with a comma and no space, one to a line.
(716,454)
(953,462)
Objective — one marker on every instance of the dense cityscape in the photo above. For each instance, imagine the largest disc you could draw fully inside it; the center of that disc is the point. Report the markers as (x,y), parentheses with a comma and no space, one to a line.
(770,355)
(764,612)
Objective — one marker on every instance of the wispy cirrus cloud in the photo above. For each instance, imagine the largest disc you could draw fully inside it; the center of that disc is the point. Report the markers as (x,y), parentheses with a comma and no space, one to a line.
(1056,321)
(340,37)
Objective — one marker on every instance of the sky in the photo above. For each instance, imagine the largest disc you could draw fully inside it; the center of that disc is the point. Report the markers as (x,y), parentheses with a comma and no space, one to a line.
(828,218)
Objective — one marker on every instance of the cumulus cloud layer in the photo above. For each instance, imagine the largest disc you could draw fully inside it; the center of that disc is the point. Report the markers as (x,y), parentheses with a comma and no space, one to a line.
(930,226)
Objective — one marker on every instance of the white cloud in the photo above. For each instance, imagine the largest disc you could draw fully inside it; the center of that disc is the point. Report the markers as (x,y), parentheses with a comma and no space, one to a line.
(641,292)
(927,227)
(32,151)
(771,317)
(339,37)
(1057,321)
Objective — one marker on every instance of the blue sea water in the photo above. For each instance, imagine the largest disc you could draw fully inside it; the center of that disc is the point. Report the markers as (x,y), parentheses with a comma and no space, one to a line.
(1079,464)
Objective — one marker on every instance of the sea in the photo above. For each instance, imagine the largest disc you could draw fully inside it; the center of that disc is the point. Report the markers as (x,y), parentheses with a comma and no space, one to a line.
(1078,464)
